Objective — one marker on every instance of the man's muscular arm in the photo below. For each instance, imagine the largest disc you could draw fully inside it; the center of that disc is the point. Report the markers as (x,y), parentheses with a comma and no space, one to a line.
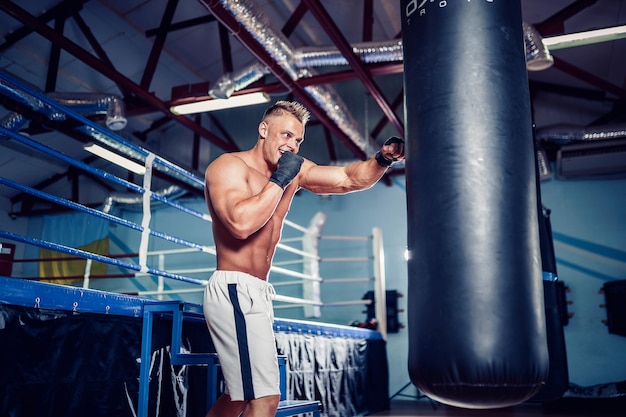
(354,177)
(229,192)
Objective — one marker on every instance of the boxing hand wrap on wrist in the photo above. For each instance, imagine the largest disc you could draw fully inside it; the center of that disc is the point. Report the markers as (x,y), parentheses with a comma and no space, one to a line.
(382,160)
(288,167)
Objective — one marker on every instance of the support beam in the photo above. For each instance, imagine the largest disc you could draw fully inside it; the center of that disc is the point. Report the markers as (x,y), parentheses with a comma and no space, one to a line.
(357,66)
(55,58)
(555,24)
(62,9)
(589,78)
(44,30)
(266,59)
(157,46)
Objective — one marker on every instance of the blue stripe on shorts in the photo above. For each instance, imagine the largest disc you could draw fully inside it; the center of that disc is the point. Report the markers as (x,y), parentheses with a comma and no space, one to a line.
(242,343)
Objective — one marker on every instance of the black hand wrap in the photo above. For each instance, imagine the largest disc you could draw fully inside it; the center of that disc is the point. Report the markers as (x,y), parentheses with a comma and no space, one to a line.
(288,167)
(382,160)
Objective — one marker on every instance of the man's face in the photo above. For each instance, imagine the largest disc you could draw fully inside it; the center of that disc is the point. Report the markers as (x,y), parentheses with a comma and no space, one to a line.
(282,133)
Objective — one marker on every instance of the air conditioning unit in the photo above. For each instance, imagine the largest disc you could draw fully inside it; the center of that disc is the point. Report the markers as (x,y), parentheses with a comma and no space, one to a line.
(593,159)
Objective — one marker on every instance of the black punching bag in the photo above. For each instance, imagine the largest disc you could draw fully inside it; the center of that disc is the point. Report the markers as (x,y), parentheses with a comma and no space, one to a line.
(477,336)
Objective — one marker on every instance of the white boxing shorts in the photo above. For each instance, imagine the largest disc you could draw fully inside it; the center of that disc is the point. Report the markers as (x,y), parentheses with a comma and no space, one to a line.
(239,314)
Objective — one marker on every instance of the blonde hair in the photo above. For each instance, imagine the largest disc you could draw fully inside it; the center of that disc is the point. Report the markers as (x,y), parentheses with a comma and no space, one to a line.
(292,107)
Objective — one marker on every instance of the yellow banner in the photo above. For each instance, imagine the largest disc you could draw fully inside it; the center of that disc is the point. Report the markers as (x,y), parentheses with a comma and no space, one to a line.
(72,269)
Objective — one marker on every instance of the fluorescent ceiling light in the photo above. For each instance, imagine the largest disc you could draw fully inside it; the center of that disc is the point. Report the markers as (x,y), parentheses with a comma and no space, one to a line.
(585,38)
(115,158)
(221,103)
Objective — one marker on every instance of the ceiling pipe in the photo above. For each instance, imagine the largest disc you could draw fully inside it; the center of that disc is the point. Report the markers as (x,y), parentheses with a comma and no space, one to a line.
(124,83)
(228,83)
(13,121)
(563,134)
(300,61)
(543,164)
(84,103)
(95,103)
(135,201)
(368,53)
(538,57)
(14,93)
(306,57)
(47,106)
(333,31)
(274,50)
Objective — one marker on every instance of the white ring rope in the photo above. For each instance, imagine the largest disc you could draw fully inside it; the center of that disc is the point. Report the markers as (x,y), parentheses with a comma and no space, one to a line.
(292,273)
(355,238)
(346,280)
(295,302)
(347,259)
(205,249)
(297,251)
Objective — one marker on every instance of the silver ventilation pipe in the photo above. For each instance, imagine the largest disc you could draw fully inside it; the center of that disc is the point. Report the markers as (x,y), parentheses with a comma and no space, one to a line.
(133,200)
(13,121)
(298,63)
(370,53)
(91,103)
(95,103)
(538,57)
(228,83)
(562,134)
(9,90)
(373,52)
(85,103)
(246,12)
(543,165)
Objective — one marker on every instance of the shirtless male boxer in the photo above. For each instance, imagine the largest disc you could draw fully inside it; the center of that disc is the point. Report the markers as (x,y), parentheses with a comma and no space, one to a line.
(248,195)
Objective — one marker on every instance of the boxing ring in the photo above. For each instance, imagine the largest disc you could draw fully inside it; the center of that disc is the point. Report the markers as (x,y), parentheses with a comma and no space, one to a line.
(76,350)
(478,333)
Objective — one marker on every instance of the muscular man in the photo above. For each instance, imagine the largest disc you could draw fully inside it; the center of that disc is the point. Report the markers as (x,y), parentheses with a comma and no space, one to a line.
(248,195)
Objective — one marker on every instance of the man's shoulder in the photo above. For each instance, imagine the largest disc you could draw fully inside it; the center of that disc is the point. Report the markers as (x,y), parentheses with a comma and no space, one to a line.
(228,164)
(227,159)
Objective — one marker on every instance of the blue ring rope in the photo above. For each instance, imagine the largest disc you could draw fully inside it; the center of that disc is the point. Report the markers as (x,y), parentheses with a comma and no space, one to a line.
(97,213)
(180,207)
(59,155)
(93,256)
(95,171)
(194,180)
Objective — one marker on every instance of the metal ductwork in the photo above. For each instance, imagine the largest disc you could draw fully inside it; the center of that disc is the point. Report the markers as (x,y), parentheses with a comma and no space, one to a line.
(586,152)
(95,103)
(543,165)
(303,58)
(134,201)
(84,103)
(538,56)
(299,63)
(13,92)
(13,121)
(92,103)
(228,83)
(369,53)
(279,48)
(564,134)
